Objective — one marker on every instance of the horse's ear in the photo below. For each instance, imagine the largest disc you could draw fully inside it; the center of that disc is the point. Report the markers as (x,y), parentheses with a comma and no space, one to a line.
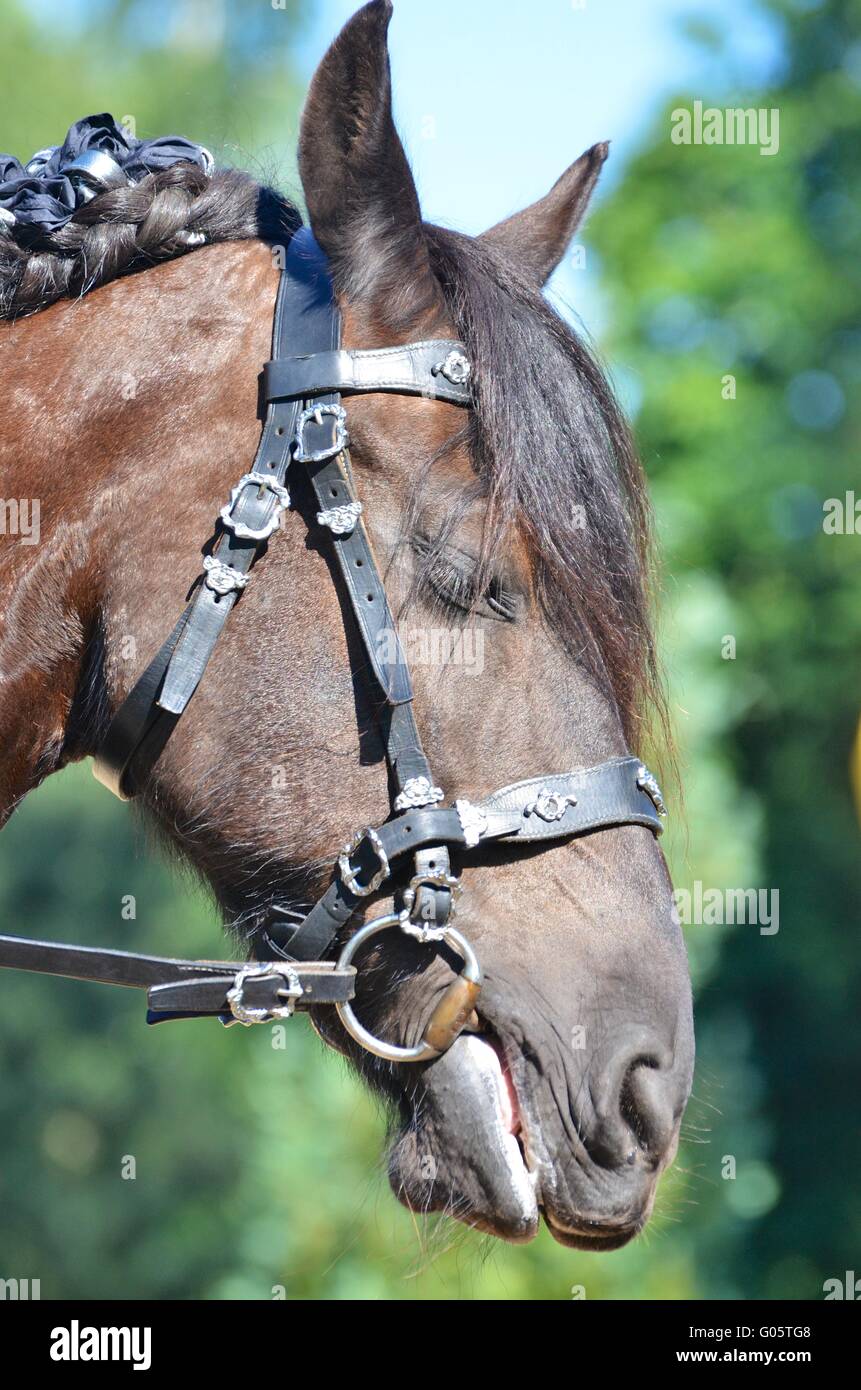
(361,197)
(538,237)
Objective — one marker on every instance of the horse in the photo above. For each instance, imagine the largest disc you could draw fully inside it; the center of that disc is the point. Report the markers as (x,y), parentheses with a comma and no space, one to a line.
(520,526)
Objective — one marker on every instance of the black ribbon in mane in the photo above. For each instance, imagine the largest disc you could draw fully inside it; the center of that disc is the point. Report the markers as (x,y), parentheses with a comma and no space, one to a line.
(96,154)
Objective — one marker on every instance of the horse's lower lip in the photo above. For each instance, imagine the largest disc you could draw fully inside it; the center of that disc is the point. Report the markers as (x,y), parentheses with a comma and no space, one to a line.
(597,1237)
(582,1233)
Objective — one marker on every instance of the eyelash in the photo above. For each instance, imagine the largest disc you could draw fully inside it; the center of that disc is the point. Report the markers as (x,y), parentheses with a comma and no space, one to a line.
(456,587)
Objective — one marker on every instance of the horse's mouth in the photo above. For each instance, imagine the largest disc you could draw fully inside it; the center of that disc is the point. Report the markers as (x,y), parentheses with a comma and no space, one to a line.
(469,1151)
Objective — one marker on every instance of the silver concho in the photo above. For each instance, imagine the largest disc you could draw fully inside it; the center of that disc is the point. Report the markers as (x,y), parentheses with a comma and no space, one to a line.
(418,791)
(341,521)
(473,822)
(549,805)
(456,368)
(649,783)
(222,578)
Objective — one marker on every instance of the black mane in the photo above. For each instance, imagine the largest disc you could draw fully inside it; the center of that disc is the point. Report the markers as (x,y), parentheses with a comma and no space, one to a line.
(555,457)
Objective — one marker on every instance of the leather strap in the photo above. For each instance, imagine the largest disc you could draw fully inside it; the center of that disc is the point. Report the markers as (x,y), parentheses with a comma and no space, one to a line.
(144,721)
(537,809)
(415,369)
(195,987)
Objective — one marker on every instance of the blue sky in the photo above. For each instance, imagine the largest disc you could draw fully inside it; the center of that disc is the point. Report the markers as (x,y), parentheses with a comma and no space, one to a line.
(494,98)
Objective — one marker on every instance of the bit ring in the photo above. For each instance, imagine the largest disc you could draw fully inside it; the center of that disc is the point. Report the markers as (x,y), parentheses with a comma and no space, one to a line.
(449,1016)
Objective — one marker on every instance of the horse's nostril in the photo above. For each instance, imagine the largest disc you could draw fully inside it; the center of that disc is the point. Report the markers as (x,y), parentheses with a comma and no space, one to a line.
(637,1098)
(647,1104)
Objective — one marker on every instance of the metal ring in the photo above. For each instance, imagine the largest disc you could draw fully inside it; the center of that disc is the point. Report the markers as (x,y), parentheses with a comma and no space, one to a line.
(470,980)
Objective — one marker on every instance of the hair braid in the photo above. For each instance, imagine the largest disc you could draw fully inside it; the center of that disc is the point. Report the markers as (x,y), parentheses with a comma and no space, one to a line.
(166,214)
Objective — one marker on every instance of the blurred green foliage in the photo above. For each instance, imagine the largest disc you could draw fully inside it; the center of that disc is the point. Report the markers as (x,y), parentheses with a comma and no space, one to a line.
(259,1168)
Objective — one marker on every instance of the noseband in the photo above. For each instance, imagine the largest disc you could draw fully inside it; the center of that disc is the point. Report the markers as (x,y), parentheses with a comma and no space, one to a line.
(305,427)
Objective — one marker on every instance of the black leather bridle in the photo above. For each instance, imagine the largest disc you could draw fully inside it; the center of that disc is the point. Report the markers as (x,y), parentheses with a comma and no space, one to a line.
(305,427)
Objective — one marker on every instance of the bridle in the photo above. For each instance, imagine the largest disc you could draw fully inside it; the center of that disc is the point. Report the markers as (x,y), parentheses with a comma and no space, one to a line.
(305,428)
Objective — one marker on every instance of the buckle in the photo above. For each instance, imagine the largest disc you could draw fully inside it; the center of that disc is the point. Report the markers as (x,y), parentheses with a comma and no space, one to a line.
(252,533)
(291,990)
(349,875)
(441,879)
(316,413)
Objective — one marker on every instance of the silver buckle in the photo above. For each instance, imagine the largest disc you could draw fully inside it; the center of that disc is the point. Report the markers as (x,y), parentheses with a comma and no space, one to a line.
(422,931)
(316,413)
(349,875)
(249,1013)
(251,533)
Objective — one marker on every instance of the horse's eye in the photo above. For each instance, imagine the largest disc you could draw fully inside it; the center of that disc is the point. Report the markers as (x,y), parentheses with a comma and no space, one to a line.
(452,578)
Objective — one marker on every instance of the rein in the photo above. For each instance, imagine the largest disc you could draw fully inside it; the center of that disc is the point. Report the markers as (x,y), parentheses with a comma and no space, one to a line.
(305,426)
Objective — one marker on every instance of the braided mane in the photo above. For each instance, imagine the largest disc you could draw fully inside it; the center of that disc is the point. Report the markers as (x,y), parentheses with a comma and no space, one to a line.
(168,213)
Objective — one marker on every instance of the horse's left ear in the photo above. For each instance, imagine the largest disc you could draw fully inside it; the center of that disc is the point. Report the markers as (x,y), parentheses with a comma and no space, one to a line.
(538,237)
(361,197)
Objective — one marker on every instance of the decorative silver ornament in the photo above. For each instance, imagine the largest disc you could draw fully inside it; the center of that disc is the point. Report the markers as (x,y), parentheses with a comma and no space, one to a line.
(341,521)
(649,784)
(456,368)
(418,791)
(549,805)
(222,578)
(473,822)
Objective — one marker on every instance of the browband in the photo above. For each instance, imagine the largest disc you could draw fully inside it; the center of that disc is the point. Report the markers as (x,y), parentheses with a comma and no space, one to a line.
(438,369)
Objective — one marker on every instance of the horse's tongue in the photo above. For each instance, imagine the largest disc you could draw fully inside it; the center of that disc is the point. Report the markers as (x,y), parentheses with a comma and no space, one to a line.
(508,1103)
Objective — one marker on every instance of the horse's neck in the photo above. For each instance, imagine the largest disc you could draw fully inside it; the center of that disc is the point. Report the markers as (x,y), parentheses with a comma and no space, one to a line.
(109,478)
